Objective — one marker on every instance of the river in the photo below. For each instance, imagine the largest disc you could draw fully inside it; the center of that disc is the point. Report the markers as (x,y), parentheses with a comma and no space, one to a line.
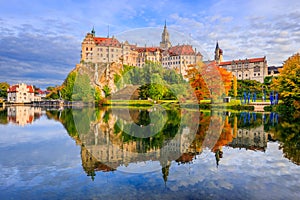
(147,153)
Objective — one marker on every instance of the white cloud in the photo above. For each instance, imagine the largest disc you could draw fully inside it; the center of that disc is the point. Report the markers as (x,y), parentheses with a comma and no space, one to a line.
(52,32)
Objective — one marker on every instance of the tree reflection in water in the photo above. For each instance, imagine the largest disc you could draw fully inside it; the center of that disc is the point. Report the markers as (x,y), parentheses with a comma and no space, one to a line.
(288,134)
(105,146)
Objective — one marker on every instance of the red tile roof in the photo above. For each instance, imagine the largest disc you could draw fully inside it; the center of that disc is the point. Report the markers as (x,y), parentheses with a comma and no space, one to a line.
(107,41)
(30,88)
(13,88)
(99,39)
(250,60)
(181,50)
(148,49)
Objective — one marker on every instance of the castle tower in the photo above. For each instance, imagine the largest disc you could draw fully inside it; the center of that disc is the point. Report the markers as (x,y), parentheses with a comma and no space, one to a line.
(218,54)
(93,32)
(165,171)
(165,40)
(87,45)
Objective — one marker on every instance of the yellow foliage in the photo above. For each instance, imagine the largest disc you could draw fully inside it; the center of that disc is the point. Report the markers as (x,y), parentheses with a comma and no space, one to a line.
(288,82)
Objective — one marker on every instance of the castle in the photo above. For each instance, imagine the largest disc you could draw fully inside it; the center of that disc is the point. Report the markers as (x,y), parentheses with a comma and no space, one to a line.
(243,69)
(110,50)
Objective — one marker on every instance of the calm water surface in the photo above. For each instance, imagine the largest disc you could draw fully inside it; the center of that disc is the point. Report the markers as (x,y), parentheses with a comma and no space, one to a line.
(151,153)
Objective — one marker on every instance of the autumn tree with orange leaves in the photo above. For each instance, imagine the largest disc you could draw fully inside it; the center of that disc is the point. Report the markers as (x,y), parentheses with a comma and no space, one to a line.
(209,80)
(227,78)
(197,82)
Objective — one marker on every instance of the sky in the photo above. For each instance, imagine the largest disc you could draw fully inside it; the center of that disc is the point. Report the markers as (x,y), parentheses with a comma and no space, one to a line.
(40,41)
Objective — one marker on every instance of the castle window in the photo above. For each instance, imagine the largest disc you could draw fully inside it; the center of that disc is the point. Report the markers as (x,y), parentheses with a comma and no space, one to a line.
(87,49)
(91,49)
(256,69)
(258,74)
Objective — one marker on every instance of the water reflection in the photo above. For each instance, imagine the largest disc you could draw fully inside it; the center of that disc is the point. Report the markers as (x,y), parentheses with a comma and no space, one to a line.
(20,115)
(287,132)
(139,140)
(106,144)
(108,140)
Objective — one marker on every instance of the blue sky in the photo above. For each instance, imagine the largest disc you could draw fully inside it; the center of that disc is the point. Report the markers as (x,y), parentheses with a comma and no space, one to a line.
(40,40)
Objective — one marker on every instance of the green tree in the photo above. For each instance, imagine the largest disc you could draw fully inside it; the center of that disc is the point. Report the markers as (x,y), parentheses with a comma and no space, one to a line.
(144,91)
(106,91)
(82,89)
(3,89)
(288,82)
(68,85)
(36,89)
(249,85)
(50,88)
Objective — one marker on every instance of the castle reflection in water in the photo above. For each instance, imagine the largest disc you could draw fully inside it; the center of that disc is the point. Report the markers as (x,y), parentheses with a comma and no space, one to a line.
(105,147)
(108,137)
(22,115)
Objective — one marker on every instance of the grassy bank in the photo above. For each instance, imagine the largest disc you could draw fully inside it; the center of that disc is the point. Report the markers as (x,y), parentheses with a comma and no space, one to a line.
(131,103)
(204,104)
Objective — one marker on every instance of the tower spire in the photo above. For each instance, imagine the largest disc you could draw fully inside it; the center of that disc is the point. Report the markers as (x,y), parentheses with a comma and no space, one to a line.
(165,41)
(218,53)
(93,31)
(217,45)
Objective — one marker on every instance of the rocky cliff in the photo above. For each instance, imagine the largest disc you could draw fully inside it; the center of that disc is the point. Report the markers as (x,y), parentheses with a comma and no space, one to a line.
(100,74)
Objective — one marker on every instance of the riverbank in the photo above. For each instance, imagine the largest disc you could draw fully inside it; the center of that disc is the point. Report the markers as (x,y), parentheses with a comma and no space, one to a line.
(204,104)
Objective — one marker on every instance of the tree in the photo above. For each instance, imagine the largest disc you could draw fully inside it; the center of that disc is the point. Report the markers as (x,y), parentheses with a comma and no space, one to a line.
(249,86)
(288,82)
(209,80)
(106,91)
(226,78)
(197,82)
(3,89)
(234,86)
(68,85)
(82,89)
(36,89)
(50,88)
